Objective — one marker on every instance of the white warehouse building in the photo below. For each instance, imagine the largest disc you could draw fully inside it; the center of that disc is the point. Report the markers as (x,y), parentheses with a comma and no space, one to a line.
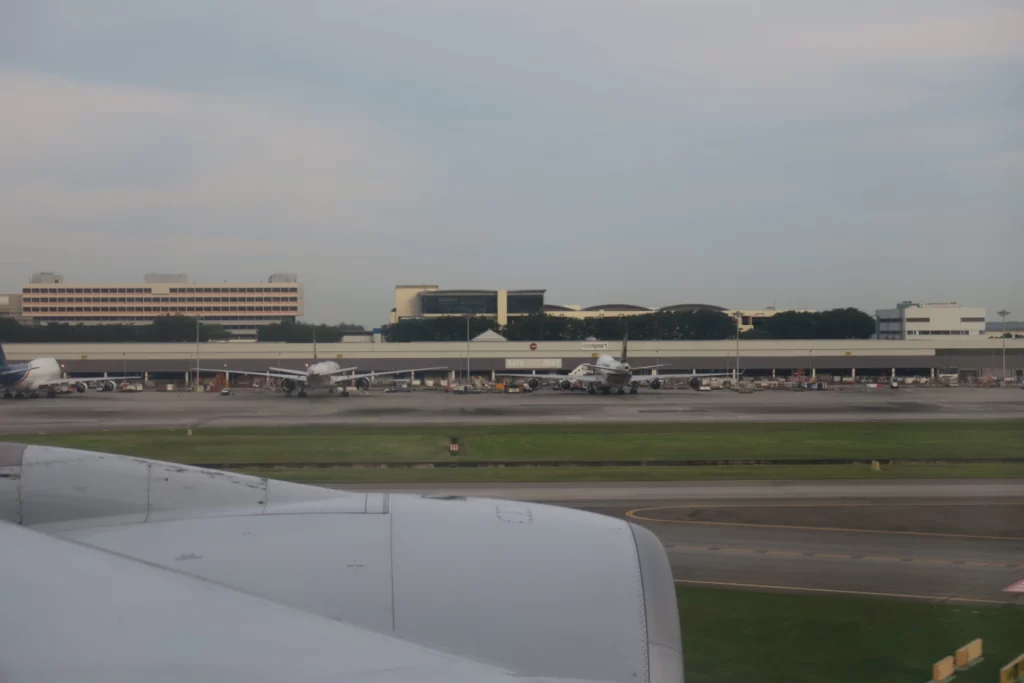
(910,320)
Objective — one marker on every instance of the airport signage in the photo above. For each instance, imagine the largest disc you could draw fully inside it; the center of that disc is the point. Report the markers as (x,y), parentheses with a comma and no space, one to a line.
(595,346)
(533,363)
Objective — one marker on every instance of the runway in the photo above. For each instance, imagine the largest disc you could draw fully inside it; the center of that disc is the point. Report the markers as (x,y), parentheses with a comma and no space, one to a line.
(95,411)
(956,542)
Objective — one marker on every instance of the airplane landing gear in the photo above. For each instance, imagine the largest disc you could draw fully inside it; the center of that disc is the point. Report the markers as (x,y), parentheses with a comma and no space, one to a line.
(591,389)
(51,394)
(622,391)
(632,391)
(606,390)
(19,396)
(8,394)
(302,394)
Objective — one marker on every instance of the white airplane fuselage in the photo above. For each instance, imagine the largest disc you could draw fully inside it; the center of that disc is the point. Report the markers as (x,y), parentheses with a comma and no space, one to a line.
(612,372)
(38,374)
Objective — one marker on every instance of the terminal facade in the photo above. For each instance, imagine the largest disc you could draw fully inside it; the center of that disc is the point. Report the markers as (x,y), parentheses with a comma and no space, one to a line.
(240,307)
(910,320)
(429,301)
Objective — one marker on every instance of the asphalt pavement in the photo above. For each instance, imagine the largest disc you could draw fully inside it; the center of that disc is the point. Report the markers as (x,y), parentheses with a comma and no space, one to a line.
(955,542)
(95,411)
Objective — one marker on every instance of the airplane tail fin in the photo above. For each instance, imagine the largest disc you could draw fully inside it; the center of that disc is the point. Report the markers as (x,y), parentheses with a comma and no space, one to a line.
(625,342)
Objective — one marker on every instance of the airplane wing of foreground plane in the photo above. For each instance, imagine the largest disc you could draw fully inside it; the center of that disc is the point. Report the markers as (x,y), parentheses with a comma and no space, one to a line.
(120,569)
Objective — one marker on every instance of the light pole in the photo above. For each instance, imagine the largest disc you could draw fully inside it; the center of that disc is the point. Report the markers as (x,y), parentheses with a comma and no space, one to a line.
(467,350)
(1002,314)
(736,371)
(197,353)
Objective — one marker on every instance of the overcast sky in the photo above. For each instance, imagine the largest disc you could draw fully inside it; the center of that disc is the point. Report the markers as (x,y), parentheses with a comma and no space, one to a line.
(811,153)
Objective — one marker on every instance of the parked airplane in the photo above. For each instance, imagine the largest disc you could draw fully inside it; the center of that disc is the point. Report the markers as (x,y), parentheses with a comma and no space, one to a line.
(43,375)
(327,375)
(119,569)
(608,374)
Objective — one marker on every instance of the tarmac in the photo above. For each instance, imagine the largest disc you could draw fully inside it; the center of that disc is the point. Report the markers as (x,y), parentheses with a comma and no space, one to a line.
(95,411)
(942,541)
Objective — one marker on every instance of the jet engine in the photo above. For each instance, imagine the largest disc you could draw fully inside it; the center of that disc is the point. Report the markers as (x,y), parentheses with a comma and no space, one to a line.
(80,387)
(533,384)
(456,574)
(656,384)
(363,383)
(289,385)
(107,385)
(566,385)
(695,382)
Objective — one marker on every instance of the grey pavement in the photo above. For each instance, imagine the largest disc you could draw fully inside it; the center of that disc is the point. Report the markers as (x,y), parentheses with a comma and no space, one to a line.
(95,411)
(972,549)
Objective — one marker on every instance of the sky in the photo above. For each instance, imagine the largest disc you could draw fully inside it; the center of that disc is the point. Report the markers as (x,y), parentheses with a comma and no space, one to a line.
(812,153)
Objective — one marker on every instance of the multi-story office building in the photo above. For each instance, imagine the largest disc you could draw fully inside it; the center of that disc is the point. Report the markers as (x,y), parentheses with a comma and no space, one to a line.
(241,307)
(910,320)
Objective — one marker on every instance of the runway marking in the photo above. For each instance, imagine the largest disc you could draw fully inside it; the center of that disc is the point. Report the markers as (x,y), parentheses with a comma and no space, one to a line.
(799,504)
(805,589)
(840,556)
(633,514)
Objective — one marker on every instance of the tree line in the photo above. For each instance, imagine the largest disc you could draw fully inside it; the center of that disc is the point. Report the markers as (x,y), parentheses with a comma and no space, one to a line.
(292,331)
(169,328)
(696,325)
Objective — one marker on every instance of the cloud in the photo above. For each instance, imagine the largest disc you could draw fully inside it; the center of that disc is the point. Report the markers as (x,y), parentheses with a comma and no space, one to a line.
(103,157)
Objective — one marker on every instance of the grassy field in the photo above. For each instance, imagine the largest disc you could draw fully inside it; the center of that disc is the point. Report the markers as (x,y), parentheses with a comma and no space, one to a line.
(567,474)
(743,636)
(567,443)
(633,442)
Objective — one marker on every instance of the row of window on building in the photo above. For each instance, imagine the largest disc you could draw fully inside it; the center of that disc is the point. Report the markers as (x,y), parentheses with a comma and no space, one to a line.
(152,309)
(149,290)
(158,300)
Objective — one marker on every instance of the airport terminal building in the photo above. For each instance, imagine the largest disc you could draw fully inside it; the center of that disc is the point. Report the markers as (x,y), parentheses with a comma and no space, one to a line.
(240,307)
(429,301)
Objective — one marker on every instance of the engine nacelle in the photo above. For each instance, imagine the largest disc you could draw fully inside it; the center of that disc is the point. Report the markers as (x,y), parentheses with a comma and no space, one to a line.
(107,385)
(363,383)
(289,385)
(438,571)
(656,384)
(566,385)
(80,387)
(533,384)
(695,382)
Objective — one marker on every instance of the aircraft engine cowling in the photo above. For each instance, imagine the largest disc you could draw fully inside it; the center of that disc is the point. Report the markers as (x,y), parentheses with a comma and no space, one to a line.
(695,382)
(289,385)
(566,385)
(80,387)
(107,385)
(363,383)
(655,384)
(438,571)
(533,384)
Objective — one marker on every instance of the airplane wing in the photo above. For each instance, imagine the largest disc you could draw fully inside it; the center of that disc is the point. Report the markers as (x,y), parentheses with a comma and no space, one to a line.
(111,619)
(559,378)
(343,378)
(134,569)
(303,377)
(76,380)
(650,367)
